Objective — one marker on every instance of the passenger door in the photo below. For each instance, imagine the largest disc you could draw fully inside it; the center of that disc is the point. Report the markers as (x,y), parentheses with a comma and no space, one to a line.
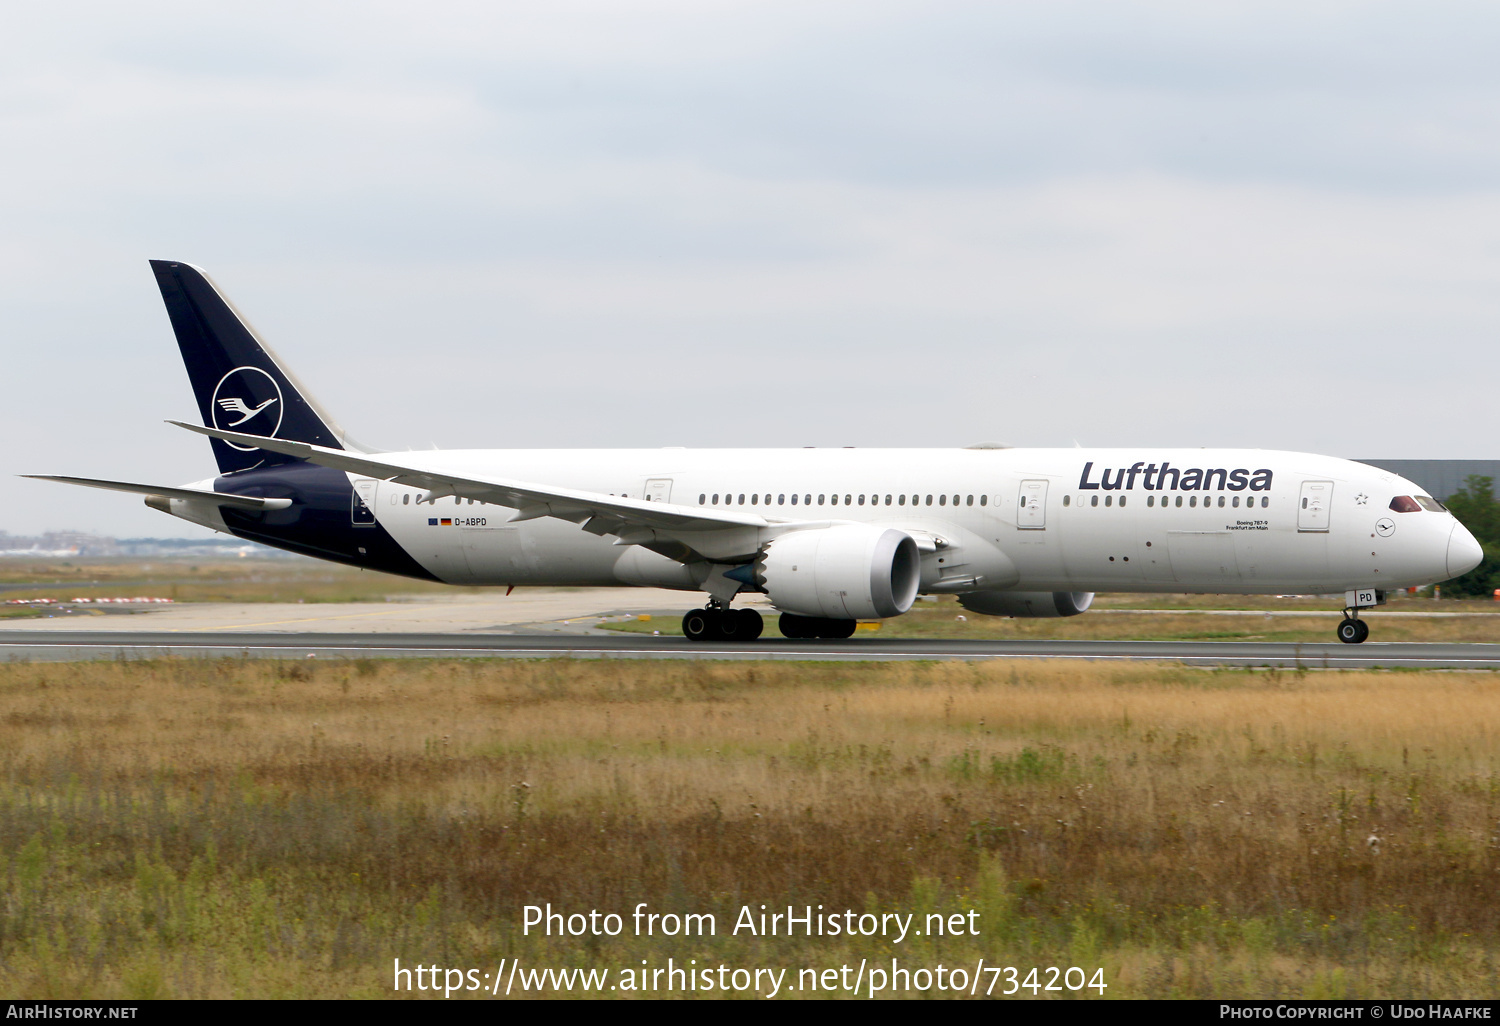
(1031,507)
(659,489)
(362,503)
(1315,506)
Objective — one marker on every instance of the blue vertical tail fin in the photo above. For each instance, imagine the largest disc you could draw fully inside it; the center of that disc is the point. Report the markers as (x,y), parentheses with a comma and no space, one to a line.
(238,381)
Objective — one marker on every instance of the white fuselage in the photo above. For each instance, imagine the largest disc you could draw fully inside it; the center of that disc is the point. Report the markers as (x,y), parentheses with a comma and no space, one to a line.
(1006,519)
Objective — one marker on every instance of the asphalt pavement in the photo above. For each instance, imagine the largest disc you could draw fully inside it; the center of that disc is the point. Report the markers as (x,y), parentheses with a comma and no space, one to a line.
(72,645)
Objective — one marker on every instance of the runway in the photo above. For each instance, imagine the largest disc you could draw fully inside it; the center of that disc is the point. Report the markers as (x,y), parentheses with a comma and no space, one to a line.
(75,645)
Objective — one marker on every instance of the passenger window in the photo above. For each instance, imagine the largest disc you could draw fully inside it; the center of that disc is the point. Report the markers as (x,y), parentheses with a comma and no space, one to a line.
(753,498)
(983,499)
(942,500)
(1150,501)
(820,497)
(848,500)
(807,500)
(742,498)
(1401,504)
(406,499)
(1123,498)
(1093,500)
(1067,500)
(1109,500)
(929,500)
(1265,500)
(1179,502)
(861,500)
(1192,501)
(1221,502)
(902,502)
(1236,502)
(1304,502)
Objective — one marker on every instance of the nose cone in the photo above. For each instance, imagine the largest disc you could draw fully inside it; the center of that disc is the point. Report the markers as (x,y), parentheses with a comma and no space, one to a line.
(1464,552)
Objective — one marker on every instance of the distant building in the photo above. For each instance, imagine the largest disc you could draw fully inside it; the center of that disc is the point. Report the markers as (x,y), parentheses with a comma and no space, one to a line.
(1441,478)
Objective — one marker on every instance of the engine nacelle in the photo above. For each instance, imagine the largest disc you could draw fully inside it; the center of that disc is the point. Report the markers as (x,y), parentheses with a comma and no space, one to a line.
(847,572)
(1027,603)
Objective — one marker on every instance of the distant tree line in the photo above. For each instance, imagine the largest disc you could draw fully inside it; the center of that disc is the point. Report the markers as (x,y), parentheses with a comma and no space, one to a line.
(1478,510)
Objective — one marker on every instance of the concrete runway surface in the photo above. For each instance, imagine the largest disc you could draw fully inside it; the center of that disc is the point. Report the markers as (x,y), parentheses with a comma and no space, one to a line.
(565,623)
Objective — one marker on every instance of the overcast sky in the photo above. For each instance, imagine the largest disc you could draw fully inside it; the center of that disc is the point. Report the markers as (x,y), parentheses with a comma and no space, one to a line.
(713,223)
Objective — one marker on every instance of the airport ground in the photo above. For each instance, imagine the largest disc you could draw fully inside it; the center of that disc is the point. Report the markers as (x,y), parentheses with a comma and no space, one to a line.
(294,595)
(280,828)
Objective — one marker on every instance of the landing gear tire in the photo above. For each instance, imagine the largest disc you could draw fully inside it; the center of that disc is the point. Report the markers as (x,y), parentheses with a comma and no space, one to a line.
(700,624)
(722,625)
(1352,631)
(748,624)
(794,626)
(726,624)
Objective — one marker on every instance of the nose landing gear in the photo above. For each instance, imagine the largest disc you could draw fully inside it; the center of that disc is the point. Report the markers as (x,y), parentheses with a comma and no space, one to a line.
(1352,630)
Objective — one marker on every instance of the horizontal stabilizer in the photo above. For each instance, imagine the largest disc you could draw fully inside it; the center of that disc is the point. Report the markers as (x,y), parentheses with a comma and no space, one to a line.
(217,498)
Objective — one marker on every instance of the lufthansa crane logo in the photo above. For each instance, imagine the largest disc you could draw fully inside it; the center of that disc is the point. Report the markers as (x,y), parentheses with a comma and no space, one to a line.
(250,397)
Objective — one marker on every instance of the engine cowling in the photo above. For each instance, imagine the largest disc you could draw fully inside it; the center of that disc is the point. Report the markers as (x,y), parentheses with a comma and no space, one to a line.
(1027,603)
(848,572)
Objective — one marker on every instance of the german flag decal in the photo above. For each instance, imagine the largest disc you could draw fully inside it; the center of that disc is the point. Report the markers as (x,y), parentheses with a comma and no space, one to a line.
(447,521)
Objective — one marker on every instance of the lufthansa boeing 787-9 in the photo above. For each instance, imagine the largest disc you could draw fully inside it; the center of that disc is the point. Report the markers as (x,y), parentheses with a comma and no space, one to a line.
(830,536)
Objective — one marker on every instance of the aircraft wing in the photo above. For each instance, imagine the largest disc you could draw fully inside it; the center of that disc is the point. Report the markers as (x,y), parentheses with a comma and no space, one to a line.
(218,498)
(597,513)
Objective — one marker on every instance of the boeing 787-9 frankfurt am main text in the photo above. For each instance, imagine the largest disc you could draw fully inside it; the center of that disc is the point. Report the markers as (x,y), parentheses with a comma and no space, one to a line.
(830,536)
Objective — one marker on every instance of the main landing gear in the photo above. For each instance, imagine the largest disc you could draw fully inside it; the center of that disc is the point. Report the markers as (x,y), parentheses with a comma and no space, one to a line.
(794,626)
(1353,630)
(720,623)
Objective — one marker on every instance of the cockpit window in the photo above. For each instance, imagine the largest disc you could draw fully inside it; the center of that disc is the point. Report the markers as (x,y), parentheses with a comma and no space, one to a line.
(1405,504)
(1431,505)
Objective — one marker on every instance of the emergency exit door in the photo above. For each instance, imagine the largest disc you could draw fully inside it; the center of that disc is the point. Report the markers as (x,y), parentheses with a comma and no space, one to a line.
(659,489)
(1031,507)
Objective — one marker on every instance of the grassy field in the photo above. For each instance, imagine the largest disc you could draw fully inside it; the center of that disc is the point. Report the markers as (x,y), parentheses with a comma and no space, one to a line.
(195,580)
(226,829)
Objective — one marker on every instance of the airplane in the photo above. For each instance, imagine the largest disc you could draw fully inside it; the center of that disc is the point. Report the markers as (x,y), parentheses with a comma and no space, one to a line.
(830,536)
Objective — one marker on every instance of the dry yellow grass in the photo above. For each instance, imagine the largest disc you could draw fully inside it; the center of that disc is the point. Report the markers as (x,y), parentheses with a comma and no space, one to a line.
(244,828)
(208,580)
